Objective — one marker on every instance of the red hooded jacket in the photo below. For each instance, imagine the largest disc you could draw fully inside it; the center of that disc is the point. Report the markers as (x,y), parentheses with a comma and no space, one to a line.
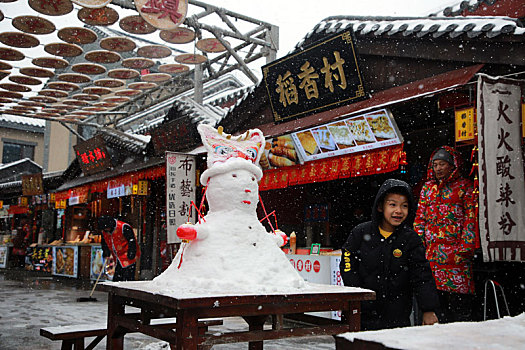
(119,244)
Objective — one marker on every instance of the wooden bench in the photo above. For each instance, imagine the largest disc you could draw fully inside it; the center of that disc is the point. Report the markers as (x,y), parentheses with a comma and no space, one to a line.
(73,336)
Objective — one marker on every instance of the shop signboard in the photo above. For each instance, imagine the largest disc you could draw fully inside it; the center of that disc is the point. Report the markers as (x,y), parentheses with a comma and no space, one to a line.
(40,259)
(98,263)
(92,155)
(354,134)
(65,261)
(180,192)
(464,124)
(321,76)
(180,133)
(32,184)
(4,254)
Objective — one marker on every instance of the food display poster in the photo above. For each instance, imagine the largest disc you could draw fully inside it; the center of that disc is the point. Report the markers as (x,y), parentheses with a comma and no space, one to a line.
(98,263)
(40,259)
(65,261)
(321,76)
(359,133)
(4,251)
(279,152)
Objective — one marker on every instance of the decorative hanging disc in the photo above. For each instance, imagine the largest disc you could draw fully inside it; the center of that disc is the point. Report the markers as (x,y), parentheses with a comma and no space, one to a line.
(66,107)
(138,63)
(53,110)
(173,68)
(10,54)
(154,51)
(1,16)
(211,45)
(106,104)
(142,85)
(6,100)
(15,87)
(96,91)
(11,94)
(82,113)
(63,49)
(52,93)
(18,39)
(119,99)
(56,85)
(75,103)
(109,83)
(89,68)
(77,35)
(37,72)
(102,56)
(86,97)
(31,104)
(15,112)
(163,14)
(123,73)
(33,25)
(20,79)
(52,7)
(104,16)
(74,78)
(92,3)
(156,77)
(43,99)
(136,25)
(50,62)
(189,58)
(24,108)
(118,44)
(178,35)
(3,74)
(95,109)
(5,66)
(47,115)
(128,92)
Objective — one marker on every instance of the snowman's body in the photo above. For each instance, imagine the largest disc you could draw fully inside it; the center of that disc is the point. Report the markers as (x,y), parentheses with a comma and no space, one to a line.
(232,249)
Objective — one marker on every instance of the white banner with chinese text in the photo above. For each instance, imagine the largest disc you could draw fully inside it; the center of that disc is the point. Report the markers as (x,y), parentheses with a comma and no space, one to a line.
(501,172)
(180,191)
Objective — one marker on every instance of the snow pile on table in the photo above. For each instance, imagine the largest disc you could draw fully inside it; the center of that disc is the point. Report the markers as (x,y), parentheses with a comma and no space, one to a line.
(505,333)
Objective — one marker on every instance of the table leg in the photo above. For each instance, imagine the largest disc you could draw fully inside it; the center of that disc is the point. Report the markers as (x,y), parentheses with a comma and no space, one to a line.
(115,337)
(187,331)
(352,317)
(255,323)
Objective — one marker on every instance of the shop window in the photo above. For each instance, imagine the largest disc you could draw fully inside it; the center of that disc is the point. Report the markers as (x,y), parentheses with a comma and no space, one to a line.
(16,151)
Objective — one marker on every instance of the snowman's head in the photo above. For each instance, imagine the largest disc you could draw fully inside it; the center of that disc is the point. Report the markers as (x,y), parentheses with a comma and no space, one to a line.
(227,152)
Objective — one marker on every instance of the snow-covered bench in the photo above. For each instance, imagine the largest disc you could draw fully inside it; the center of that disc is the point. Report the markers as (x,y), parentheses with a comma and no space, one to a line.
(73,336)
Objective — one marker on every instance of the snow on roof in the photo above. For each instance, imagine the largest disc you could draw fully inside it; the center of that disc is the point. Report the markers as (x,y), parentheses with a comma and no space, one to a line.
(22,120)
(17,162)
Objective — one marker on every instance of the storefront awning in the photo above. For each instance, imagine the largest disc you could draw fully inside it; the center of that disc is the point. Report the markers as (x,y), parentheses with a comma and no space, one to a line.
(380,99)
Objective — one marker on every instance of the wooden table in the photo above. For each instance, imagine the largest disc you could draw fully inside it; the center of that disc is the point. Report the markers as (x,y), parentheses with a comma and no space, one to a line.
(254,309)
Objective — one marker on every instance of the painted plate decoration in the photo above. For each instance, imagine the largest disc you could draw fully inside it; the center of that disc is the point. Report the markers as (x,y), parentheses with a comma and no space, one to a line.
(31,104)
(95,109)
(106,104)
(81,113)
(189,58)
(86,97)
(154,51)
(24,108)
(163,14)
(77,103)
(6,100)
(156,77)
(63,49)
(109,83)
(66,107)
(92,3)
(18,39)
(37,72)
(11,94)
(50,62)
(104,16)
(211,45)
(136,25)
(63,86)
(89,68)
(138,63)
(15,87)
(173,68)
(10,54)
(123,73)
(47,115)
(96,90)
(33,25)
(5,66)
(178,35)
(20,79)
(74,78)
(142,85)
(43,99)
(3,74)
(102,56)
(53,110)
(53,93)
(52,7)
(77,35)
(118,44)
(119,99)
(128,92)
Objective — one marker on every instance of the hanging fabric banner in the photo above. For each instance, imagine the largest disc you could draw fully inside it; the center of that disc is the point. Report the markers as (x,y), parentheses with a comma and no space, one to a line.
(501,172)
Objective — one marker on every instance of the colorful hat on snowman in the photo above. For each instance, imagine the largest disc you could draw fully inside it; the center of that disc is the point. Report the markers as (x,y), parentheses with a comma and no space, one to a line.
(227,152)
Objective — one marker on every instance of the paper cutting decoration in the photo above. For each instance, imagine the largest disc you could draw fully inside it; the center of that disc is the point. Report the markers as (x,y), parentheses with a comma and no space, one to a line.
(50,62)
(52,7)
(154,51)
(178,35)
(138,63)
(118,44)
(136,25)
(74,78)
(10,54)
(211,45)
(104,16)
(19,79)
(33,25)
(92,3)
(63,49)
(37,72)
(163,14)
(77,35)
(189,58)
(102,56)
(173,68)
(18,39)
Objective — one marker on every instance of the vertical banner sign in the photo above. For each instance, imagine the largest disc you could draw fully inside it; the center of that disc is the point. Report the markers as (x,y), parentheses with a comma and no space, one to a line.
(180,191)
(502,194)
(464,124)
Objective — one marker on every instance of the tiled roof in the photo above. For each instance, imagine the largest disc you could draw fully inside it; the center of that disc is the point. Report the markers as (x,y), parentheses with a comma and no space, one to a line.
(40,123)
(133,143)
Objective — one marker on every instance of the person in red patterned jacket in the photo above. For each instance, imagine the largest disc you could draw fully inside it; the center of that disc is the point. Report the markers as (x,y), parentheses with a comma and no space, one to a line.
(446,220)
(120,243)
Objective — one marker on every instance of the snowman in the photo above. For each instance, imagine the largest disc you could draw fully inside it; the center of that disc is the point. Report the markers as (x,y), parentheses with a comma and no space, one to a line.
(229,249)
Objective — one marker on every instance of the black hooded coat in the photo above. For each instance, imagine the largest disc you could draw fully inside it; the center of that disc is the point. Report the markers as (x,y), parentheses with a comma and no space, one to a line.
(394,267)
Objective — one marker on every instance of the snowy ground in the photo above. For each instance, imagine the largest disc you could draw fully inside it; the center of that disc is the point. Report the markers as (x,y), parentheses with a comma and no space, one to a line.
(28,303)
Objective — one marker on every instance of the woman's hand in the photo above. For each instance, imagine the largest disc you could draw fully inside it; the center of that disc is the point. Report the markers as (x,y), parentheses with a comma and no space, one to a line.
(429,318)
